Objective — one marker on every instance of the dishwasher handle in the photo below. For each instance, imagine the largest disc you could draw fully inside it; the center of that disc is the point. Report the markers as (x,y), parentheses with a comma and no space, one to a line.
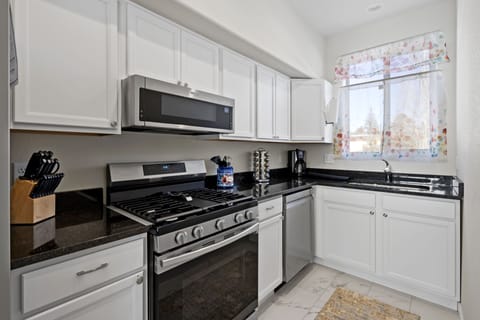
(298,202)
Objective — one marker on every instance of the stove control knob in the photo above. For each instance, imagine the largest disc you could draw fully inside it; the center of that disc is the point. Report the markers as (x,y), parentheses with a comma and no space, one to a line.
(181,237)
(220,224)
(197,232)
(249,214)
(239,217)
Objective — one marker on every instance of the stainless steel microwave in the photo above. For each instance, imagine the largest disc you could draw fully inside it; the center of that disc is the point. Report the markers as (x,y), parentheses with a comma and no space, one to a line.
(159,106)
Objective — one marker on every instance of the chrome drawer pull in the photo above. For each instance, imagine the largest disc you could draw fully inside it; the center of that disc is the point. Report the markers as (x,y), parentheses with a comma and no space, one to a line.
(100,267)
(270,208)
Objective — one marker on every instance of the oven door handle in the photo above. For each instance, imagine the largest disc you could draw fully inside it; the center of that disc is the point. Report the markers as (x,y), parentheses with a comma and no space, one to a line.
(171,262)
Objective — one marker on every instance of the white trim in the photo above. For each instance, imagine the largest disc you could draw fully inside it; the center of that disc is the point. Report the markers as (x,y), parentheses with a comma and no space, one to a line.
(460,311)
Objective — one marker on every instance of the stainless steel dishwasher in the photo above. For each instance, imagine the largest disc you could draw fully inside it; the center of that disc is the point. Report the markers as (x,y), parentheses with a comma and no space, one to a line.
(297,252)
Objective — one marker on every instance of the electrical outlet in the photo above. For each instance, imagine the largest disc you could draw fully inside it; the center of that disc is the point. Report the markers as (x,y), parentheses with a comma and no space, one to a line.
(18,170)
(329,158)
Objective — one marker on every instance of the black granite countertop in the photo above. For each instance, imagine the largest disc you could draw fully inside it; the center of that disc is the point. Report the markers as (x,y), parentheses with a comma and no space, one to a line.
(281,183)
(81,222)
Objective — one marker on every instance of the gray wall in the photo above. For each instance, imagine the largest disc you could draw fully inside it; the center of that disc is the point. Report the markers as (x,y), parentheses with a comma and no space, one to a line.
(468,93)
(4,166)
(84,158)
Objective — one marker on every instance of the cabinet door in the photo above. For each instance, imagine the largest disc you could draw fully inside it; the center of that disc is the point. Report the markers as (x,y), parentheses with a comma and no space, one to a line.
(282,107)
(265,102)
(122,300)
(153,45)
(68,66)
(199,64)
(270,257)
(308,122)
(349,236)
(238,82)
(419,251)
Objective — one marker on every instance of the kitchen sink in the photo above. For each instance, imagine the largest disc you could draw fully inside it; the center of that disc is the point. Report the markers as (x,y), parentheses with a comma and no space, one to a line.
(401,186)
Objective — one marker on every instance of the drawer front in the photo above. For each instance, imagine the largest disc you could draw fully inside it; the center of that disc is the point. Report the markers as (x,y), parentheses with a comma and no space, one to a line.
(353,197)
(270,208)
(44,286)
(420,206)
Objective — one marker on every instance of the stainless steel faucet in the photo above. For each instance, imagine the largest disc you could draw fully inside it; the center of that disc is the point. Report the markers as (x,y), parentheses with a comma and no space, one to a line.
(388,171)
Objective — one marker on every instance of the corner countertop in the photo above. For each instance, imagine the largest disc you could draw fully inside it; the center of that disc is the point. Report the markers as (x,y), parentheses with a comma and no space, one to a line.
(81,222)
(281,183)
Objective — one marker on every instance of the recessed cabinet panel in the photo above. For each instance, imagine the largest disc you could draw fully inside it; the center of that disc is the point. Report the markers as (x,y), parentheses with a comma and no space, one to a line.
(68,67)
(419,251)
(153,45)
(349,236)
(282,107)
(265,103)
(238,82)
(200,67)
(270,251)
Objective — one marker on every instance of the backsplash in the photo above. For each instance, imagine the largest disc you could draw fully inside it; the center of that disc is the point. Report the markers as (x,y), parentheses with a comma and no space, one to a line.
(84,158)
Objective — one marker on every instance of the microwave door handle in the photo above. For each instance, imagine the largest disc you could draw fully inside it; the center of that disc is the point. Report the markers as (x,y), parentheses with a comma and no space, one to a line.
(175,261)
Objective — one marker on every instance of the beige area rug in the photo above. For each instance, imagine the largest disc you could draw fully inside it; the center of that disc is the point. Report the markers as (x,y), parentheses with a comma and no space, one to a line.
(348,305)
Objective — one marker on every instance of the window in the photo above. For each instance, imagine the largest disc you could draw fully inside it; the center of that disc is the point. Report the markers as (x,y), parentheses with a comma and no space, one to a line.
(392,101)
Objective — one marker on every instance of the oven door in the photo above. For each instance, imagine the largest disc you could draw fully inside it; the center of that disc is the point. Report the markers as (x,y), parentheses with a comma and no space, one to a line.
(215,279)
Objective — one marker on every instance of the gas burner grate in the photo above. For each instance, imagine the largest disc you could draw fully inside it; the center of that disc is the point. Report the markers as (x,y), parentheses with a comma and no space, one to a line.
(157,208)
(217,196)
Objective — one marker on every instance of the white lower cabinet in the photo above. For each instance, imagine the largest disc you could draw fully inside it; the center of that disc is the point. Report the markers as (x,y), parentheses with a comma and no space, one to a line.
(121,300)
(409,243)
(270,249)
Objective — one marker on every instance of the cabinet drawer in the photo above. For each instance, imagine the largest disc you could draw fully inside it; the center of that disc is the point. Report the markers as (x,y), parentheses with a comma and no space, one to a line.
(44,286)
(426,207)
(270,208)
(356,198)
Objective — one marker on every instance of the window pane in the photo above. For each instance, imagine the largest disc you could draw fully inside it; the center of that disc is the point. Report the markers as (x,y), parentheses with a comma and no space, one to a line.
(366,118)
(410,113)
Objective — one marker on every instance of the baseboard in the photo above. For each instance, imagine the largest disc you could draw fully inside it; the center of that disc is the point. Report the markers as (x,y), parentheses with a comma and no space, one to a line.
(460,311)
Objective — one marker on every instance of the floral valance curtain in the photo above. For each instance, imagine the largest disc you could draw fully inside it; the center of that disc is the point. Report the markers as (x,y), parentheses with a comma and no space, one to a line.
(393,103)
(396,57)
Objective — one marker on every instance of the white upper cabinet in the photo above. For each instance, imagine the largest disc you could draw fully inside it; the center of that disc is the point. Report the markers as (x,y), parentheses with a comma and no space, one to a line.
(68,66)
(273,105)
(161,49)
(309,100)
(282,107)
(265,102)
(153,45)
(238,82)
(200,67)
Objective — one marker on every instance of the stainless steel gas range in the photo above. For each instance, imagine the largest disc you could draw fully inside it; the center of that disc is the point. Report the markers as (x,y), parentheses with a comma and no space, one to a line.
(203,244)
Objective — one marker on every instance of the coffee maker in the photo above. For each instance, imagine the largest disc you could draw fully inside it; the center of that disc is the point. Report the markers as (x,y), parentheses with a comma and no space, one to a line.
(297,165)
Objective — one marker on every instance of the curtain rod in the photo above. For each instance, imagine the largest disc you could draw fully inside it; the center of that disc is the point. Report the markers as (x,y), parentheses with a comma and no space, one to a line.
(392,78)
(387,43)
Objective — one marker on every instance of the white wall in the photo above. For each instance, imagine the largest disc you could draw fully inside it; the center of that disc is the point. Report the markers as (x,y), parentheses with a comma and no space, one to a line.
(4,165)
(439,16)
(468,92)
(268,31)
(84,158)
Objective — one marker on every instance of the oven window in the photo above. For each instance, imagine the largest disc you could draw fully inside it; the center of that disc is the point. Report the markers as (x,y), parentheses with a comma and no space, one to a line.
(218,286)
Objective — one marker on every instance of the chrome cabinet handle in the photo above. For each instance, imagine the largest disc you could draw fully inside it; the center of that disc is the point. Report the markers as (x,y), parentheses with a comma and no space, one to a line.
(372,213)
(270,208)
(140,280)
(114,124)
(100,267)
(385,215)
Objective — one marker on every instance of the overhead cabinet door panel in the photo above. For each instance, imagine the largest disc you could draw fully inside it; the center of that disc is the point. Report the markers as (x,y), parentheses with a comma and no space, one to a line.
(68,68)
(153,45)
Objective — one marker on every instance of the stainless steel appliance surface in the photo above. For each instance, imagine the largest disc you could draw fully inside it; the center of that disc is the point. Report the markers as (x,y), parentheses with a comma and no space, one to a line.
(159,106)
(297,233)
(297,163)
(203,243)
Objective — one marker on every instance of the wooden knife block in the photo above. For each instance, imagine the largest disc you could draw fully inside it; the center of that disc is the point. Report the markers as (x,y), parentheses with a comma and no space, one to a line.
(25,210)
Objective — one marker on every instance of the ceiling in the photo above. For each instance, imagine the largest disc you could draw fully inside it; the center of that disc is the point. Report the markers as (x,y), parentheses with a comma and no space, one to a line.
(332,16)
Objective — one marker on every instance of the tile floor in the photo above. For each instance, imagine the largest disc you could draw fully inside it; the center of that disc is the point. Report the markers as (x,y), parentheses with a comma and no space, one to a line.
(304,296)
